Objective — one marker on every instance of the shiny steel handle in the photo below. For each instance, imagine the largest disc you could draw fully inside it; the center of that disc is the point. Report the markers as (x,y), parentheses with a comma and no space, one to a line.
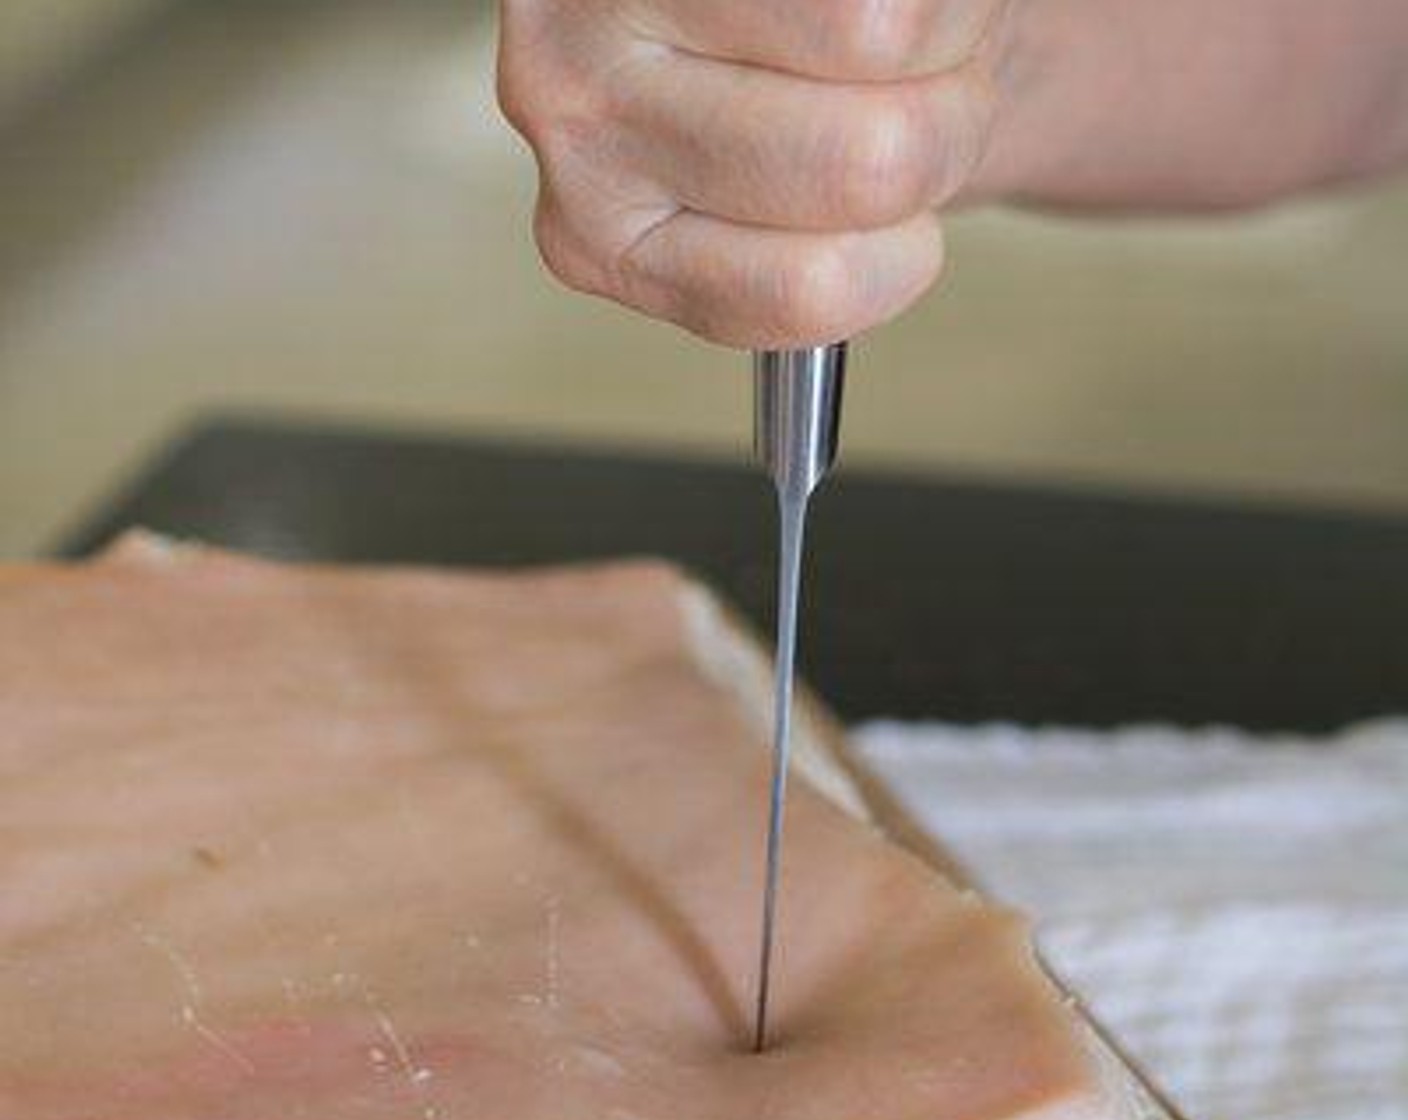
(797,414)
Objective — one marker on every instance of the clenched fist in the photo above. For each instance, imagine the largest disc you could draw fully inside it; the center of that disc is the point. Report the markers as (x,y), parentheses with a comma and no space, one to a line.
(762,172)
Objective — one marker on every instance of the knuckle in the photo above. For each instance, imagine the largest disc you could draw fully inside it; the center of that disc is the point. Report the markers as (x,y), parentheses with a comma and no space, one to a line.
(556,128)
(514,103)
(887,165)
(519,99)
(563,252)
(519,74)
(539,91)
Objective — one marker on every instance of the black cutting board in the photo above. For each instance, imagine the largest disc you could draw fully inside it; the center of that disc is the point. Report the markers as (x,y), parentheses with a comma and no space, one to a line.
(927,597)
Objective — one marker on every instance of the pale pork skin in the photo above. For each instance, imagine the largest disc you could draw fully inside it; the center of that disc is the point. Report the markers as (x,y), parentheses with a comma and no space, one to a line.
(284,842)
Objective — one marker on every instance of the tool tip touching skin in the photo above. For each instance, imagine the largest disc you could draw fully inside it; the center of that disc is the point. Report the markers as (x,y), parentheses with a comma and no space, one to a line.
(797,417)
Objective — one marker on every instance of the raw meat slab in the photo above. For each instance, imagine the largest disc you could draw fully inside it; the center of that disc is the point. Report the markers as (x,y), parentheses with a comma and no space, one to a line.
(286,842)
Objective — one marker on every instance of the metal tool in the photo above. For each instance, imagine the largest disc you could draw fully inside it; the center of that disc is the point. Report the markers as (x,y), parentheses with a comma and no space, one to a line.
(797,417)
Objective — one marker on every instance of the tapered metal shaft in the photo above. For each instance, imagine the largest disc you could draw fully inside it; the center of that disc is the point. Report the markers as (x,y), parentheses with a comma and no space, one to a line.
(797,412)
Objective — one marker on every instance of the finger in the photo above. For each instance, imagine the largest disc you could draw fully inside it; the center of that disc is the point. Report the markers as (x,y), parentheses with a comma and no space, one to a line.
(860,40)
(752,287)
(772,149)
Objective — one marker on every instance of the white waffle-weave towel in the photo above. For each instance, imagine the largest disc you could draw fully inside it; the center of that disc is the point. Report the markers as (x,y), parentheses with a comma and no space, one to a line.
(1233,908)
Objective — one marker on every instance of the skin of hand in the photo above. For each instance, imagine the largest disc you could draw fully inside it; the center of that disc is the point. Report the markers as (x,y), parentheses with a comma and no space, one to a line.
(767,173)
(764,173)
(1146,105)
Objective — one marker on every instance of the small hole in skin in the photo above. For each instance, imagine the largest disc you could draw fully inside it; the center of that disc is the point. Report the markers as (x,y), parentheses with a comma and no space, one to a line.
(781,1042)
(207,859)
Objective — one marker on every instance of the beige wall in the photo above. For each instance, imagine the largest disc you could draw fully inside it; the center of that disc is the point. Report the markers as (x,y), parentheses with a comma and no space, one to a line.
(41,40)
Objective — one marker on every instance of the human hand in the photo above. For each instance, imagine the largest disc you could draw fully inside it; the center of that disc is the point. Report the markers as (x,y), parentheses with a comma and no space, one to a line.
(765,174)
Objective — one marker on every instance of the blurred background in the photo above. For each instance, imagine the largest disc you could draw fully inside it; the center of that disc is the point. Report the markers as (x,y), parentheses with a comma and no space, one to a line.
(310,208)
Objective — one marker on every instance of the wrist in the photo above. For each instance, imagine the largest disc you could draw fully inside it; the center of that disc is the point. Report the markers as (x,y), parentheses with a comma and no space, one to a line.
(1146,105)
(1033,64)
